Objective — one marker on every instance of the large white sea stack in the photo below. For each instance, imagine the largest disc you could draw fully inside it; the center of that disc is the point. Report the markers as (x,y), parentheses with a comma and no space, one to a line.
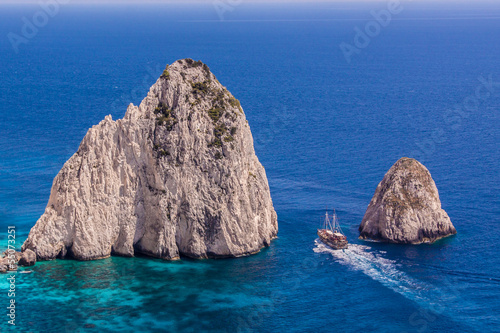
(178,175)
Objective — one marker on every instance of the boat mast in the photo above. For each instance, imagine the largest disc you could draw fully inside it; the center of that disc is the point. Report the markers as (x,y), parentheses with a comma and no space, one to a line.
(336,223)
(332,224)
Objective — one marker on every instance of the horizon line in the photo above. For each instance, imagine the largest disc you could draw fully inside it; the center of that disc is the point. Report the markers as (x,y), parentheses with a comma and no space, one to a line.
(213,2)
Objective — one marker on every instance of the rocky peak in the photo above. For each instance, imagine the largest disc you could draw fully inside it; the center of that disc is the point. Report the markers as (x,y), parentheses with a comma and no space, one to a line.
(406,207)
(188,98)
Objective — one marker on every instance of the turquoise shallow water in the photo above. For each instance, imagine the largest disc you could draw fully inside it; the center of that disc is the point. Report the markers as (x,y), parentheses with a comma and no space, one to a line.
(326,132)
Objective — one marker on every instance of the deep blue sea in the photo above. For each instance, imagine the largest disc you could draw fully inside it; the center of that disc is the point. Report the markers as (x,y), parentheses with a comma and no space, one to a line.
(425,84)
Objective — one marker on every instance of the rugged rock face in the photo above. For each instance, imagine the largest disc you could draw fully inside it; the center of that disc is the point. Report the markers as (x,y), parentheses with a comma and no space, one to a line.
(406,207)
(10,260)
(28,258)
(176,176)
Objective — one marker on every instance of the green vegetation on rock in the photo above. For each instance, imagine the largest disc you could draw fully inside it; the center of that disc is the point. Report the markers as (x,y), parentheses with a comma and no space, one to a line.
(165,116)
(201,88)
(161,152)
(235,103)
(215,114)
(219,131)
(165,74)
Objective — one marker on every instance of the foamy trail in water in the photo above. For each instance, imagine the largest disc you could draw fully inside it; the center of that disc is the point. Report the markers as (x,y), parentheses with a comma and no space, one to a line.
(440,301)
(385,271)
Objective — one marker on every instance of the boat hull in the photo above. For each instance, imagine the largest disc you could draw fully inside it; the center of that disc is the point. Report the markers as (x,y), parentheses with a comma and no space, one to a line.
(335,243)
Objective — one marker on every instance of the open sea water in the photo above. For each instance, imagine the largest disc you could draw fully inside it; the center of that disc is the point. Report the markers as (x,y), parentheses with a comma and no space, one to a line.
(425,84)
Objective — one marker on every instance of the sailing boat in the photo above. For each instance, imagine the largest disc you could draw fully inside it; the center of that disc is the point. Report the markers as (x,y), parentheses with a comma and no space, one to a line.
(331,234)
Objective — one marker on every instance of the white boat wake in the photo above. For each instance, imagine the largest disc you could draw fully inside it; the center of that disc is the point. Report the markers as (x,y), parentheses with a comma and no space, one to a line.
(444,300)
(373,264)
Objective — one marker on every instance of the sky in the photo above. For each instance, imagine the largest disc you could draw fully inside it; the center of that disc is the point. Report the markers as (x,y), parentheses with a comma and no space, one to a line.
(226,1)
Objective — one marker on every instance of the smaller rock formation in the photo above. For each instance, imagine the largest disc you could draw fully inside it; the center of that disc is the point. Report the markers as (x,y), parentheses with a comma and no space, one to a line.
(10,262)
(7,263)
(28,258)
(15,255)
(406,207)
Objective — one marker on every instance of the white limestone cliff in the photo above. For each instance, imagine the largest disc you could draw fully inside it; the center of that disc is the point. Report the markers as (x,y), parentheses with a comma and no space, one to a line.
(178,175)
